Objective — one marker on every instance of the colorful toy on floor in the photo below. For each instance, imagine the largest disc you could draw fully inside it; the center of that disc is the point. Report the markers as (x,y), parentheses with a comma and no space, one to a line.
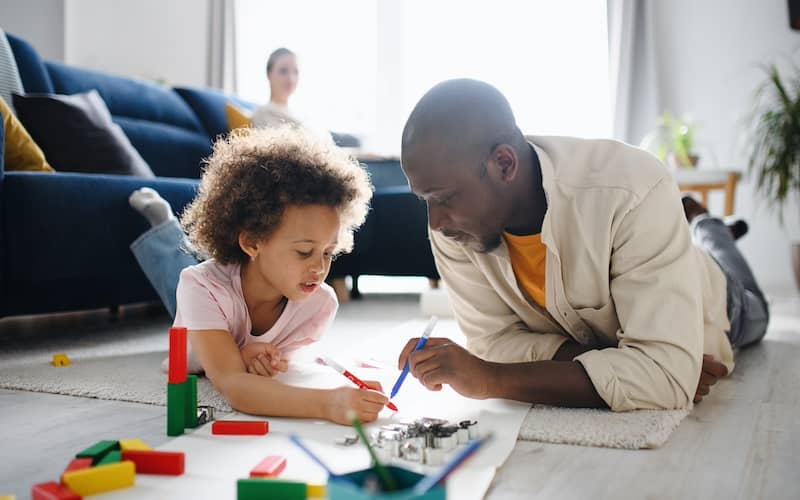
(133,444)
(52,491)
(60,359)
(240,427)
(258,489)
(101,478)
(272,466)
(169,463)
(182,410)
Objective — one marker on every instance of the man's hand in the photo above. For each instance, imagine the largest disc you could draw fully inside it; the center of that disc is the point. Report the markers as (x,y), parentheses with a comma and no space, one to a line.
(712,371)
(263,358)
(442,361)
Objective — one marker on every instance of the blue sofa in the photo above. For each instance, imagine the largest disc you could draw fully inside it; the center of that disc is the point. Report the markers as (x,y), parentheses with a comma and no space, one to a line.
(64,237)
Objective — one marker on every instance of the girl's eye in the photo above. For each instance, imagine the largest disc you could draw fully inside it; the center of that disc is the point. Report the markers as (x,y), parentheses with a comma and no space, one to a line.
(304,255)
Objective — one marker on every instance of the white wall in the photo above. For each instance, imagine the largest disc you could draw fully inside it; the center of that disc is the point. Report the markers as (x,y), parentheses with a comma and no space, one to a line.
(709,53)
(40,22)
(159,40)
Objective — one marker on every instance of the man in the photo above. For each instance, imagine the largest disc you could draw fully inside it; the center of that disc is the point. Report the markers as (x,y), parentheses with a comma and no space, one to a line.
(569,264)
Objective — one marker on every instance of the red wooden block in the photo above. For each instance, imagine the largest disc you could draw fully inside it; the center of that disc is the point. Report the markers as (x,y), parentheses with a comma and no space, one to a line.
(240,427)
(177,355)
(272,466)
(53,491)
(77,464)
(156,462)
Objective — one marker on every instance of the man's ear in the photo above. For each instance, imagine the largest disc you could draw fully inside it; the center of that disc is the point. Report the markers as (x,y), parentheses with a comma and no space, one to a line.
(506,162)
(248,244)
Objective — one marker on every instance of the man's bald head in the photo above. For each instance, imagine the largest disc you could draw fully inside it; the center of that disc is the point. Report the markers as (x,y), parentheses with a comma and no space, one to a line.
(460,120)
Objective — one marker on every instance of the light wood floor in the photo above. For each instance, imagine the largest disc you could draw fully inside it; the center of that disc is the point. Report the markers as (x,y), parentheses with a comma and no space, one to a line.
(742,442)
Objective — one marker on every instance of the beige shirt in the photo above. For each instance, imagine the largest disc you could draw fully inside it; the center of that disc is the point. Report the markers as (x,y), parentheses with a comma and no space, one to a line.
(622,274)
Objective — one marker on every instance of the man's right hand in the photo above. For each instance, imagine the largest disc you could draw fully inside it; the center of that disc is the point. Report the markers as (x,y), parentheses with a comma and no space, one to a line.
(711,371)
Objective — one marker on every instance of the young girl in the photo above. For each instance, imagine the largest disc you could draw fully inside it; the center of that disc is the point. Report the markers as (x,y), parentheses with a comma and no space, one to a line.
(274,208)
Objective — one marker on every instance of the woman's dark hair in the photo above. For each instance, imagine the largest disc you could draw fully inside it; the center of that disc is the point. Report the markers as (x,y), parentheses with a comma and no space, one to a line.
(275,55)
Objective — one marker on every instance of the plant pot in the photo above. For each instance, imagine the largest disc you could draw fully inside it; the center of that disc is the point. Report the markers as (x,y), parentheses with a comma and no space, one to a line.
(676,161)
(796,262)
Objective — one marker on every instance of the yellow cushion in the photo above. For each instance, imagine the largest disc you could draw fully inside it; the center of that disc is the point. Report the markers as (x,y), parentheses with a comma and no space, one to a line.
(20,152)
(237,118)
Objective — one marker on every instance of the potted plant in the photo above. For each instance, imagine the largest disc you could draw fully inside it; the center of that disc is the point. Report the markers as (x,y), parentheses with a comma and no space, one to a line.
(672,141)
(774,156)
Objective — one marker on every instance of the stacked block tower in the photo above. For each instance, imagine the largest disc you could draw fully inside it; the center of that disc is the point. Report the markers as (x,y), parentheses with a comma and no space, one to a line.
(181,387)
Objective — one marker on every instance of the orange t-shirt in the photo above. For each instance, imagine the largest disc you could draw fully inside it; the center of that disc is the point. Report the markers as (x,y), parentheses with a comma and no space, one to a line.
(528,257)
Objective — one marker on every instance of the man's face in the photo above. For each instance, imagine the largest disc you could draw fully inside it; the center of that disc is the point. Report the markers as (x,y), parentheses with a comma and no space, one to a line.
(463,203)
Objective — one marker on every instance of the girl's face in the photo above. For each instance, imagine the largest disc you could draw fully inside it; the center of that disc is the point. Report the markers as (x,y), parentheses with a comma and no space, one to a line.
(283,76)
(296,258)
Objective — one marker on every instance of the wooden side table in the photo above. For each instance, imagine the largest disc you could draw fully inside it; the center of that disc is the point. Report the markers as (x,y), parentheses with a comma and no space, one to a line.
(704,181)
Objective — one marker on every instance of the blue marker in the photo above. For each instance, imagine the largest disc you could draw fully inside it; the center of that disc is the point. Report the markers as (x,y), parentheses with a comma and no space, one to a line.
(420,344)
(429,482)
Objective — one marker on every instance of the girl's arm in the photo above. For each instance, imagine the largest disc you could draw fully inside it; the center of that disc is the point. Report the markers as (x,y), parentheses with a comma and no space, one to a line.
(219,355)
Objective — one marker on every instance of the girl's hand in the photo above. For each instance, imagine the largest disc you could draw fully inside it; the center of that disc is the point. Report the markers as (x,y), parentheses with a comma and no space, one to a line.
(365,403)
(263,358)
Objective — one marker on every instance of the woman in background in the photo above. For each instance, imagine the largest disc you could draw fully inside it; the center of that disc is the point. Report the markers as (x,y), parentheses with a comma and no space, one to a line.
(282,75)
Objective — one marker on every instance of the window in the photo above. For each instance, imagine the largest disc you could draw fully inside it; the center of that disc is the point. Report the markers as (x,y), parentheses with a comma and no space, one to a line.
(364,64)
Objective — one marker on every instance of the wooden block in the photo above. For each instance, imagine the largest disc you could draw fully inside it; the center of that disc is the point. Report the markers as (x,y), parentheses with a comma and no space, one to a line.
(176,409)
(77,464)
(60,359)
(111,457)
(272,466)
(101,478)
(258,489)
(133,444)
(240,427)
(98,450)
(170,463)
(8,497)
(177,355)
(52,491)
(190,413)
(316,491)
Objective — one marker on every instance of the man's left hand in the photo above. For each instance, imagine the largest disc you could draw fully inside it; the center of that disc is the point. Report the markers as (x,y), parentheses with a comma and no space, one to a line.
(711,371)
(442,361)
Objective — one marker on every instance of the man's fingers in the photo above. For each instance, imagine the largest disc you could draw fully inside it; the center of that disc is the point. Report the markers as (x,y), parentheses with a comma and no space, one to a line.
(703,390)
(714,367)
(401,361)
(707,379)
(434,379)
(697,398)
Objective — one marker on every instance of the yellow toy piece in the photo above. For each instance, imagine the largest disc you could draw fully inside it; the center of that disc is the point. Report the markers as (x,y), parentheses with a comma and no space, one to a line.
(8,497)
(133,444)
(100,479)
(315,491)
(60,359)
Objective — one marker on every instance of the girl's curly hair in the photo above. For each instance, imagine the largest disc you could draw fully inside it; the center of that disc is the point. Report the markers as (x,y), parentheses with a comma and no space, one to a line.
(254,174)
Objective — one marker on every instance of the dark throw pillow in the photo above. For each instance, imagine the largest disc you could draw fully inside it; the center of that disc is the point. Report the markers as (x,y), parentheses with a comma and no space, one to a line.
(77,135)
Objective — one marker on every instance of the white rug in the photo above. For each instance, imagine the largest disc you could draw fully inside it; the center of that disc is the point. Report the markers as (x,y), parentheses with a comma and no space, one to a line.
(604,428)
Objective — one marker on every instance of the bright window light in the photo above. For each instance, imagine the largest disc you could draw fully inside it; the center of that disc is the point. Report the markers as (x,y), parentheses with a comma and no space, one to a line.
(364,64)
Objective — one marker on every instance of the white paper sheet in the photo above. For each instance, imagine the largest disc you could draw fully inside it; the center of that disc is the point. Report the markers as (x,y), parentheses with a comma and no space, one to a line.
(214,463)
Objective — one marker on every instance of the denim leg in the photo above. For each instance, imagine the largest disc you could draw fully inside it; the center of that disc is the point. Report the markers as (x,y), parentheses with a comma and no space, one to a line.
(162,254)
(747,307)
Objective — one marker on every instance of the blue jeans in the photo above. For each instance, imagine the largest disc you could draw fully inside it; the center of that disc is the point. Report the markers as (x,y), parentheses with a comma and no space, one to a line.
(162,253)
(748,310)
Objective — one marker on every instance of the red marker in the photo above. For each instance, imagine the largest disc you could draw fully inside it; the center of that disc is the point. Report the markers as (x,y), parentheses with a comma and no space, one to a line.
(360,383)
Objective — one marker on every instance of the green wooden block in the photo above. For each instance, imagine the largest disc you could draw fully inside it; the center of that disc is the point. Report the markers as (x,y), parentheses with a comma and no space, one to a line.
(191,402)
(176,408)
(258,489)
(110,458)
(98,450)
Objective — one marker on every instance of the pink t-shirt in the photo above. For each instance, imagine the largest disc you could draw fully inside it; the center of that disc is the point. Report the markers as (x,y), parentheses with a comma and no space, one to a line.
(210,297)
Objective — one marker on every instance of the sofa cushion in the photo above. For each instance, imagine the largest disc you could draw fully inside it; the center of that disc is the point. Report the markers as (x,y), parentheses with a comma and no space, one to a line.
(209,105)
(31,67)
(126,97)
(21,153)
(169,150)
(237,117)
(77,134)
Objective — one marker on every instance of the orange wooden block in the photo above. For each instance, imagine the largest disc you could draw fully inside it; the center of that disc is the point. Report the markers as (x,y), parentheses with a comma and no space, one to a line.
(170,463)
(53,491)
(272,466)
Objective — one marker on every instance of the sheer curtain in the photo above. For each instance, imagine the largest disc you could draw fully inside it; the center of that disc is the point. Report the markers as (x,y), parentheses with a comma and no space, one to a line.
(363,65)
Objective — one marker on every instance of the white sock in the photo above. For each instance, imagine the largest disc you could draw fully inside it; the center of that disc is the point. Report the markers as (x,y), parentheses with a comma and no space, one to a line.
(150,204)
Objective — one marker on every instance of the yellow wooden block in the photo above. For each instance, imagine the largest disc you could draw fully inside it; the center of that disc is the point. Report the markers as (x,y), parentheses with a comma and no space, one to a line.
(60,359)
(315,490)
(8,497)
(100,479)
(133,444)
